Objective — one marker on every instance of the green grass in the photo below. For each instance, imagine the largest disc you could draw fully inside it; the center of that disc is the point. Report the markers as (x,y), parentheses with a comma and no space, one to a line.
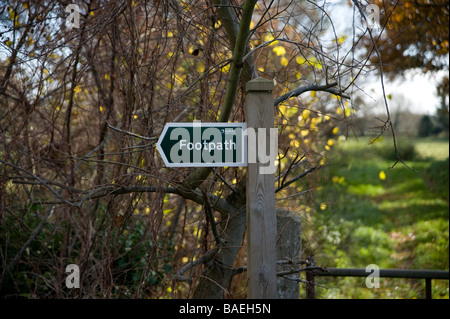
(399,222)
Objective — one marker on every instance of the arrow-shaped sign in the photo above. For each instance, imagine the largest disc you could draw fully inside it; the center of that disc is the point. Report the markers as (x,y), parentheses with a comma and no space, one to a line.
(203,144)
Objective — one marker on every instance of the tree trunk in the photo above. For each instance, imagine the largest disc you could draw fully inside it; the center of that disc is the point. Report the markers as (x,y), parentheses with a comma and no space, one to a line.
(218,272)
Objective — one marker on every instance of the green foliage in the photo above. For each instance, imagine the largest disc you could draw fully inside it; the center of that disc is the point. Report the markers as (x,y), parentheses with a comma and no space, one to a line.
(425,126)
(437,178)
(406,150)
(30,278)
(140,260)
(399,222)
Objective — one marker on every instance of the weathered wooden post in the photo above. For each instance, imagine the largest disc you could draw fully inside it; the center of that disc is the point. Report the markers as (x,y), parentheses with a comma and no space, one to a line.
(289,247)
(261,215)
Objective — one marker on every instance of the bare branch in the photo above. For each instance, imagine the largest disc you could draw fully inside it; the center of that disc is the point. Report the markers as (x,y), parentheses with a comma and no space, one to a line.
(203,259)
(313,87)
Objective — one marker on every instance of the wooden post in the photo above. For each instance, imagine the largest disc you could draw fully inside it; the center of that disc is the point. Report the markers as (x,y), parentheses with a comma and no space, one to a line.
(310,288)
(261,215)
(289,247)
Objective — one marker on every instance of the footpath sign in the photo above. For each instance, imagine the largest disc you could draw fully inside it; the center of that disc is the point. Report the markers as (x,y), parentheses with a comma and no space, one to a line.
(203,144)
(225,144)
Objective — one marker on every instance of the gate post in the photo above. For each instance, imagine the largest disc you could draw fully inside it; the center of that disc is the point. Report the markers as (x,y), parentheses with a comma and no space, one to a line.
(289,247)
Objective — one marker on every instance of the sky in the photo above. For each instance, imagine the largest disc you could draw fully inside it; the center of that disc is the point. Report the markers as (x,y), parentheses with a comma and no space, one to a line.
(417,89)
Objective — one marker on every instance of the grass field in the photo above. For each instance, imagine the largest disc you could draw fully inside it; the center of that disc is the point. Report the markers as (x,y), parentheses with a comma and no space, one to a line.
(392,217)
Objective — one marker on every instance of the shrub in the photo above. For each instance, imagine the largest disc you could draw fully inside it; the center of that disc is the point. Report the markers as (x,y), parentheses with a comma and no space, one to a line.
(436,177)
(406,151)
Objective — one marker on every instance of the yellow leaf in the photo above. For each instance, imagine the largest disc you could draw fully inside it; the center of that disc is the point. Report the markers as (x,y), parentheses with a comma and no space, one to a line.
(306,113)
(336,130)
(316,64)
(294,144)
(200,67)
(268,38)
(304,132)
(341,39)
(107,77)
(348,111)
(313,93)
(225,68)
(77,89)
(291,112)
(330,142)
(300,59)
(323,206)
(279,50)
(382,175)
(92,13)
(284,61)
(376,140)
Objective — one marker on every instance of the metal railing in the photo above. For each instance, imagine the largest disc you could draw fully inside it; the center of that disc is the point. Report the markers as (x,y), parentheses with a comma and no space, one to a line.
(428,275)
